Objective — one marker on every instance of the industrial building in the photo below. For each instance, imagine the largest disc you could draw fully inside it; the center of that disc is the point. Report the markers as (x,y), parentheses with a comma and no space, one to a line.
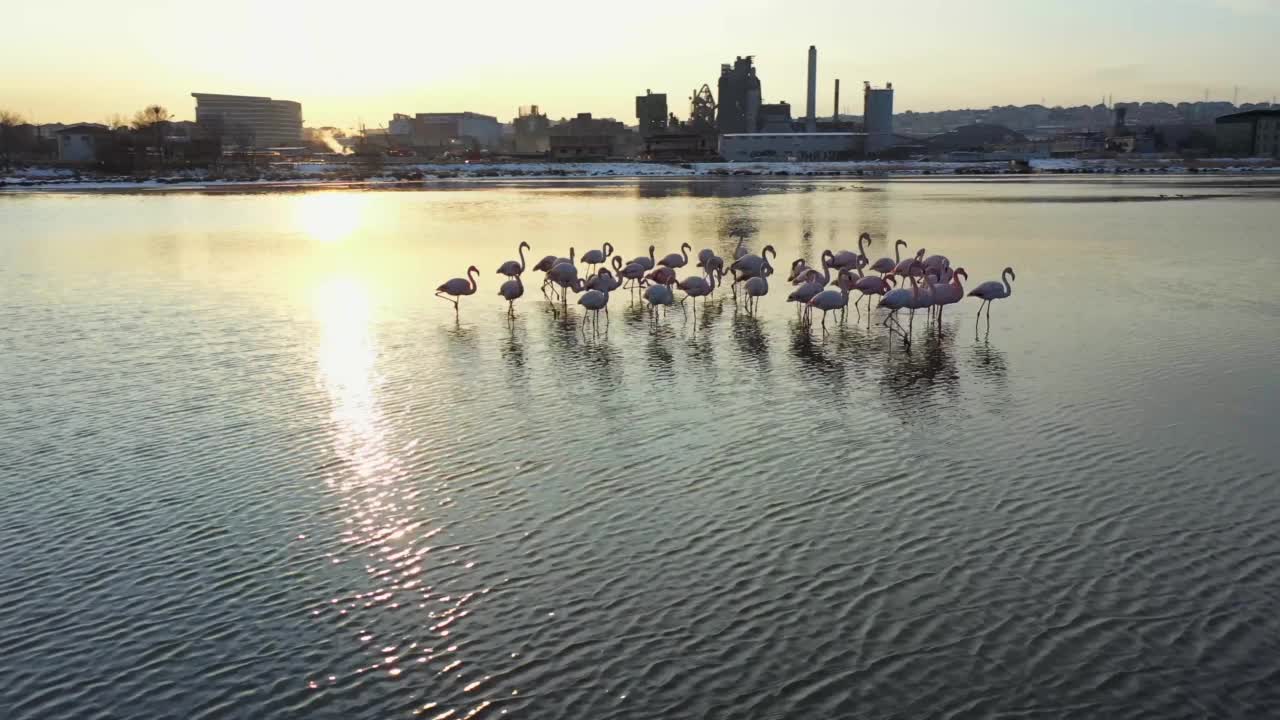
(468,130)
(246,120)
(532,131)
(739,91)
(588,138)
(775,118)
(877,117)
(791,147)
(651,112)
(1253,133)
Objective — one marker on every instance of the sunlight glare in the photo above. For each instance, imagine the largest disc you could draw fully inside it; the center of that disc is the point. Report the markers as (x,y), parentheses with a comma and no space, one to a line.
(329,217)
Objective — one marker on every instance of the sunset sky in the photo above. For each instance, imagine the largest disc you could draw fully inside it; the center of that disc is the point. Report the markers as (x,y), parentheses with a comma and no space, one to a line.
(351,62)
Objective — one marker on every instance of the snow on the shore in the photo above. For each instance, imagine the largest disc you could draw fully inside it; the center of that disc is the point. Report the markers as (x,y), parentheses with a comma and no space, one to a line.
(311,174)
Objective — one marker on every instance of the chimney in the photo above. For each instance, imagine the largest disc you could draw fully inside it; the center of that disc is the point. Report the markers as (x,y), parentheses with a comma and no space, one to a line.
(811,116)
(835,109)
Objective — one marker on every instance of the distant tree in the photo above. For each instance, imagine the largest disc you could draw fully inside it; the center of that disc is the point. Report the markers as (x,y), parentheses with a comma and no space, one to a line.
(9,140)
(116,121)
(148,116)
(153,120)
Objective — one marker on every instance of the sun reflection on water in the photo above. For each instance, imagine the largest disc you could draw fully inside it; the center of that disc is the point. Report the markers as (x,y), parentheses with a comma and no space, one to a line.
(346,356)
(330,217)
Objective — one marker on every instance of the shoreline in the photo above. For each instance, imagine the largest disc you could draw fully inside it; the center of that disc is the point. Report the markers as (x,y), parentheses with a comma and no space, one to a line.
(301,176)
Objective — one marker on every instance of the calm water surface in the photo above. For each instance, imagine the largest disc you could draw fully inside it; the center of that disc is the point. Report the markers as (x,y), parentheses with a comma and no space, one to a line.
(252,468)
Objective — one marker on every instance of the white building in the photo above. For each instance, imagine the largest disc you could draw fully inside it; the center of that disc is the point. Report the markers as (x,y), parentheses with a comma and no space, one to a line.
(79,143)
(790,147)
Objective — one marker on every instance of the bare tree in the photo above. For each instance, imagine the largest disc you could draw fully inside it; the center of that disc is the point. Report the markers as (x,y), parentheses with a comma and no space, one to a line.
(9,122)
(148,116)
(116,121)
(154,118)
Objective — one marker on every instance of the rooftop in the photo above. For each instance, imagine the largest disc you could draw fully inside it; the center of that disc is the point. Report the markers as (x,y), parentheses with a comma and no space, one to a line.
(1248,115)
(85,128)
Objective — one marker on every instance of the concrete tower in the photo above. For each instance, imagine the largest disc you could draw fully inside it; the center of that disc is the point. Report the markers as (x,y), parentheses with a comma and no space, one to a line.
(811,110)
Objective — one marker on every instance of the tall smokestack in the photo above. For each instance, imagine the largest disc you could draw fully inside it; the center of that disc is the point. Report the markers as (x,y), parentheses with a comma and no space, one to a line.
(811,116)
(835,107)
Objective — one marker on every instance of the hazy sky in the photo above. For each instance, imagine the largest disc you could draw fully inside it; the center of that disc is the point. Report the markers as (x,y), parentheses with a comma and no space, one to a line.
(350,61)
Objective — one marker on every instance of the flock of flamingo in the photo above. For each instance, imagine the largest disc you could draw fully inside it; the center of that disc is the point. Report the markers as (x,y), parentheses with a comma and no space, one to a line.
(933,284)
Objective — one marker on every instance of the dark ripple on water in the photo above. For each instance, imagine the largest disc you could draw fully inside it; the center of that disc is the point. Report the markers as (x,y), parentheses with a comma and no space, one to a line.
(220,510)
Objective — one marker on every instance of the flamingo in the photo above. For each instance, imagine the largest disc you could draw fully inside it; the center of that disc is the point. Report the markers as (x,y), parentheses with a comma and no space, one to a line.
(715,264)
(864,239)
(511,268)
(829,300)
(632,272)
(847,281)
(595,257)
(813,285)
(677,260)
(904,266)
(749,266)
(758,286)
(870,285)
(800,272)
(949,293)
(936,262)
(740,250)
(547,264)
(511,290)
(662,276)
(885,265)
(846,260)
(603,280)
(645,261)
(895,300)
(595,300)
(704,255)
(696,287)
(564,274)
(657,295)
(989,291)
(457,287)
(922,299)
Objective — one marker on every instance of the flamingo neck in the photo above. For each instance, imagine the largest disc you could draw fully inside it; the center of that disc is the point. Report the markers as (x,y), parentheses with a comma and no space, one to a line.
(521,257)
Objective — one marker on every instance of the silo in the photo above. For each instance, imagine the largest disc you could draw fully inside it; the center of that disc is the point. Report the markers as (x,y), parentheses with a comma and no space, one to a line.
(877,116)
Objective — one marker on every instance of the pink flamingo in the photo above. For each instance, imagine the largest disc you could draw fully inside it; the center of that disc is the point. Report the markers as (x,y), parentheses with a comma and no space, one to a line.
(662,276)
(645,261)
(458,287)
(904,266)
(897,299)
(512,268)
(595,257)
(829,300)
(758,286)
(677,260)
(884,265)
(632,272)
(992,290)
(949,293)
(511,291)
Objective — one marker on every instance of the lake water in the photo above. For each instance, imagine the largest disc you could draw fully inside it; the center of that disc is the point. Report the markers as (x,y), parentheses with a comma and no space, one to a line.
(252,468)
